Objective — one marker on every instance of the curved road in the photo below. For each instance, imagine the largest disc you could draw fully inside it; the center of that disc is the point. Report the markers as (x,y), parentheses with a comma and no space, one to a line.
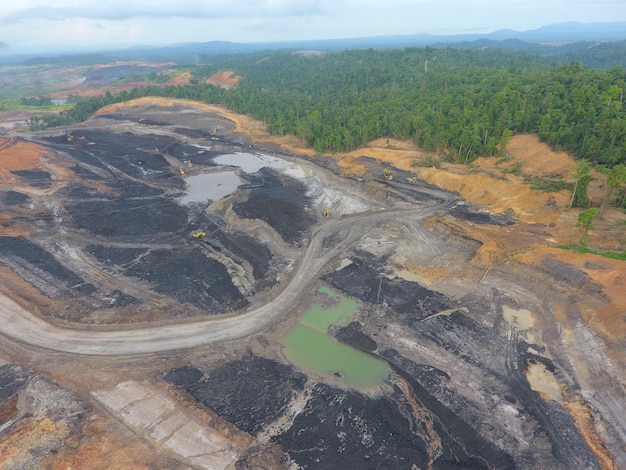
(21,325)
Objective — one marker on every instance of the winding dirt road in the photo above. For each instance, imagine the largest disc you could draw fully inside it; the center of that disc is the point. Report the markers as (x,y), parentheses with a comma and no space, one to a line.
(21,325)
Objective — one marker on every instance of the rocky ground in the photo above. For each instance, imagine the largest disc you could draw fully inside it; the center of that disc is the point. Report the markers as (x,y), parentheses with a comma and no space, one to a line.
(505,351)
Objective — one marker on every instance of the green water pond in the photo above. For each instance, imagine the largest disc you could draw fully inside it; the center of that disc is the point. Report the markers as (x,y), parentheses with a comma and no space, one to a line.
(309,347)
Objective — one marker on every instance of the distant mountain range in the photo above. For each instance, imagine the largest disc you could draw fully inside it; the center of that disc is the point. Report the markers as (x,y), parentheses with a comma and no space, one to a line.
(535,40)
(555,33)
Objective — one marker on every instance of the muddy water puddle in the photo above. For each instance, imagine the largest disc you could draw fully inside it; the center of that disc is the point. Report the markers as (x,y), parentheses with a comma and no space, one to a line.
(310,347)
(521,319)
(210,186)
(252,162)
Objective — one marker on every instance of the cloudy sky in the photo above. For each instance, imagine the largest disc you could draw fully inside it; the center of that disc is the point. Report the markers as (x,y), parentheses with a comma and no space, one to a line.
(28,25)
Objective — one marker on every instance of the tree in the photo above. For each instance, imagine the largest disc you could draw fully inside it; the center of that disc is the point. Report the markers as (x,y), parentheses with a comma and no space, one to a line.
(585,220)
(615,179)
(583,177)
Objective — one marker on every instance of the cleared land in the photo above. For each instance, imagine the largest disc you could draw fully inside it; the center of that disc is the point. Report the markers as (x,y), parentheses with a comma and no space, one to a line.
(507,352)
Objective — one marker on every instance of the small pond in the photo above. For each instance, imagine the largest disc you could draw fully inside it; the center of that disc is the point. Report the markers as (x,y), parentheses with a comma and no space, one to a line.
(210,186)
(252,162)
(309,347)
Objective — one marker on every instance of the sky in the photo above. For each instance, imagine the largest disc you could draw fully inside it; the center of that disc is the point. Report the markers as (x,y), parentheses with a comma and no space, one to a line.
(41,25)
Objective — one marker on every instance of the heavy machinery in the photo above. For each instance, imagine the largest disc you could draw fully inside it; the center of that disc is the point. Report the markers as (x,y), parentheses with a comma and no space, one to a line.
(181,170)
(387,174)
(188,163)
(326,213)
(198,234)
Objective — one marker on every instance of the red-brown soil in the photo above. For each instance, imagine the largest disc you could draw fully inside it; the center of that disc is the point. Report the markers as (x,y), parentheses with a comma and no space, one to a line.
(224,80)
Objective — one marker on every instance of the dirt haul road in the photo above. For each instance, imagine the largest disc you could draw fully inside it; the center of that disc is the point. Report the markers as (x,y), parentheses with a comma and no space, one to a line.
(21,325)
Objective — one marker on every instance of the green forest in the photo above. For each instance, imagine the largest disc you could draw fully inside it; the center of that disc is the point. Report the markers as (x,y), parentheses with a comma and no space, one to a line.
(460,103)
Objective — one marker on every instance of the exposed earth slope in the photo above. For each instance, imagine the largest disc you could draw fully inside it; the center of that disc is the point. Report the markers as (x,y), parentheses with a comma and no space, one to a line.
(155,258)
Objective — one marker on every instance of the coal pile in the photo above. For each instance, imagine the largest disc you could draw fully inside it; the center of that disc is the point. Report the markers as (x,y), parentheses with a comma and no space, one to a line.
(464,212)
(136,155)
(462,447)
(362,279)
(12,379)
(250,393)
(119,204)
(13,198)
(196,155)
(345,429)
(337,428)
(279,201)
(129,217)
(460,425)
(185,275)
(236,244)
(35,178)
(353,336)
(39,267)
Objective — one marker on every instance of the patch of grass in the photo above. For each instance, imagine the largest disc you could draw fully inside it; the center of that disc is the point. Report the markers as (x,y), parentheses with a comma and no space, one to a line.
(428,162)
(504,159)
(10,104)
(618,255)
(550,184)
(515,169)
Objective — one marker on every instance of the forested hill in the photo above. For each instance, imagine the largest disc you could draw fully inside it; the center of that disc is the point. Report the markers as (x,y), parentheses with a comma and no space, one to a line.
(464,103)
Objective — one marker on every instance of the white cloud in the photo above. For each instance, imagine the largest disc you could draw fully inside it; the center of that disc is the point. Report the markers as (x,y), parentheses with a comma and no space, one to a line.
(119,10)
(63,23)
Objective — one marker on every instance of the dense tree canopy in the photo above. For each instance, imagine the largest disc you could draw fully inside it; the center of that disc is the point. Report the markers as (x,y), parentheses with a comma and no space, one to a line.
(464,103)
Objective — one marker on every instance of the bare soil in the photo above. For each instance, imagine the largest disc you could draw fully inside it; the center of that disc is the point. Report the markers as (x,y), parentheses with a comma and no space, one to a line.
(103,244)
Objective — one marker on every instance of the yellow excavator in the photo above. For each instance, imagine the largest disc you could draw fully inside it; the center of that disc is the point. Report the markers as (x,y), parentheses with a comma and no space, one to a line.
(326,213)
(388,175)
(199,234)
(181,170)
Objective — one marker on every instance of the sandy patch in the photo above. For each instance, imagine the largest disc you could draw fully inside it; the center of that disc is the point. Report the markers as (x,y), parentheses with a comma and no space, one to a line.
(16,155)
(543,382)
(224,79)
(538,158)
(179,80)
(498,194)
(398,153)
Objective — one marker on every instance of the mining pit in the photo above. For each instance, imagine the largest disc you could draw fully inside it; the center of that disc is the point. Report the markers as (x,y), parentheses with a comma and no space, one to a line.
(98,235)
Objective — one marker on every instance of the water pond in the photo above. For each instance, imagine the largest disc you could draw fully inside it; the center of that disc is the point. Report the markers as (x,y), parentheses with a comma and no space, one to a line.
(309,347)
(251,162)
(210,186)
